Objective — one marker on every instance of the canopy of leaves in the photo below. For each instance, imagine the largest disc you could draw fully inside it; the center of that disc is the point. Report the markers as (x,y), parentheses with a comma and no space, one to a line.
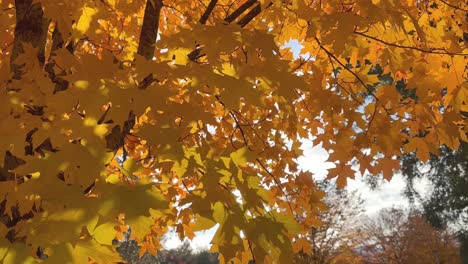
(188,114)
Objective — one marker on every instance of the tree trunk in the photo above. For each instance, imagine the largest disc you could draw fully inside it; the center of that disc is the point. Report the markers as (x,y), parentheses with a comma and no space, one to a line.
(464,248)
(31,27)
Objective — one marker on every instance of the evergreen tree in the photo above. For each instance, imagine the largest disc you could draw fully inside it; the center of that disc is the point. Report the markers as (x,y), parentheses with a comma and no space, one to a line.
(447,201)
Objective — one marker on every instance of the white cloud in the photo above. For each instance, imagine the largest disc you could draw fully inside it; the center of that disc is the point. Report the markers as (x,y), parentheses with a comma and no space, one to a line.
(314,160)
(388,194)
(201,241)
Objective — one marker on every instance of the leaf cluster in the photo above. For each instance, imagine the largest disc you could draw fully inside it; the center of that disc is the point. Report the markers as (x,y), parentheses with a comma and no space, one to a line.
(147,115)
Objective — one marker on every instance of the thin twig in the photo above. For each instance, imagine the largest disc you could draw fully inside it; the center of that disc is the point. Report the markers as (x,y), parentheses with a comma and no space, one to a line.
(251,251)
(372,119)
(454,7)
(302,62)
(240,129)
(342,65)
(278,183)
(339,85)
(377,100)
(252,126)
(186,188)
(121,20)
(7,46)
(439,51)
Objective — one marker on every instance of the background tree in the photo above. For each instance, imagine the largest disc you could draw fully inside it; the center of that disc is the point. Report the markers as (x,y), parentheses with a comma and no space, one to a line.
(183,254)
(336,238)
(398,236)
(446,203)
(189,115)
(445,200)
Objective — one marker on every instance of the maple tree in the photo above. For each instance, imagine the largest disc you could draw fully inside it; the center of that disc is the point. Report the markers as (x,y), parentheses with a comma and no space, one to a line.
(188,114)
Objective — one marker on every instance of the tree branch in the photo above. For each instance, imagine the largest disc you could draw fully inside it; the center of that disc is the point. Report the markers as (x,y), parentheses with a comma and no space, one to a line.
(250,15)
(208,11)
(454,6)
(241,130)
(149,29)
(432,51)
(377,100)
(239,11)
(277,182)
(148,35)
(195,54)
(251,251)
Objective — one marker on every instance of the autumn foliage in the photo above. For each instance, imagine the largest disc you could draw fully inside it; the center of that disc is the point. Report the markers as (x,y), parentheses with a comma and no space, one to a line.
(396,236)
(119,114)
